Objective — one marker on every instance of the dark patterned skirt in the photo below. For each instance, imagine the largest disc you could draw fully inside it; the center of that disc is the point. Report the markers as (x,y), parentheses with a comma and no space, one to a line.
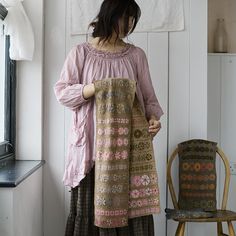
(80,221)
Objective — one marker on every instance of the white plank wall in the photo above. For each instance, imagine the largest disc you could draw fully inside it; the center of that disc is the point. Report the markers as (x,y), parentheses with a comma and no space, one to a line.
(158,48)
(198,87)
(213,119)
(170,56)
(54,133)
(227,120)
(29,113)
(198,69)
(179,96)
(188,89)
(221,115)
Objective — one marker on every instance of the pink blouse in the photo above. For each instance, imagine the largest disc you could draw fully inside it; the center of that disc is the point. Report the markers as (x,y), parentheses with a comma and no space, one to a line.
(83,65)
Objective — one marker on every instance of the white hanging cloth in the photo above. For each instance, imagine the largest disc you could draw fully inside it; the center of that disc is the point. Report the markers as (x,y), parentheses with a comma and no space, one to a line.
(18,26)
(157,15)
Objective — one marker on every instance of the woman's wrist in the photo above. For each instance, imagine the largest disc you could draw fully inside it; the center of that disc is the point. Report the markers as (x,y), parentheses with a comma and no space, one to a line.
(88,91)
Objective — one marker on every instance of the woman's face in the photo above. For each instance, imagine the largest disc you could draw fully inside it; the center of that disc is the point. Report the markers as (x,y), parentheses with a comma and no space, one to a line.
(121,26)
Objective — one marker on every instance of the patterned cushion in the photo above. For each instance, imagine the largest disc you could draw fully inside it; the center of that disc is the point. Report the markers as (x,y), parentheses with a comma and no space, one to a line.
(197,175)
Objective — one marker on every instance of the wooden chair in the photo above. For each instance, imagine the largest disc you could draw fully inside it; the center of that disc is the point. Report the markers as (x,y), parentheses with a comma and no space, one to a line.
(220,216)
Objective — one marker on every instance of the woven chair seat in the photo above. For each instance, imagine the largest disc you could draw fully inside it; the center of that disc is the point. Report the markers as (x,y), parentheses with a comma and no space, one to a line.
(217,216)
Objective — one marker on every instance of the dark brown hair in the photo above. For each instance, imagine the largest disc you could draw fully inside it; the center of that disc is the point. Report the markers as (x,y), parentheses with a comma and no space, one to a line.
(111,12)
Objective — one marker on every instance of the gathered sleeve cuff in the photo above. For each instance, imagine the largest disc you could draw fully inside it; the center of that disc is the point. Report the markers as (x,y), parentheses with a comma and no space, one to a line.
(154,110)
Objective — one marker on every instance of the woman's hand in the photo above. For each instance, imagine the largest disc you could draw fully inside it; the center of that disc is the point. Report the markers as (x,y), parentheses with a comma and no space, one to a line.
(88,91)
(154,126)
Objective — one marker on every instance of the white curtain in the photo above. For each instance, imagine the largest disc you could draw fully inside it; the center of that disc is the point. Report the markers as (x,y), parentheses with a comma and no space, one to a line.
(157,15)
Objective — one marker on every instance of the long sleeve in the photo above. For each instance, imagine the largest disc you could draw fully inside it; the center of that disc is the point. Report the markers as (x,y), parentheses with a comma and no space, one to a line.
(151,103)
(69,89)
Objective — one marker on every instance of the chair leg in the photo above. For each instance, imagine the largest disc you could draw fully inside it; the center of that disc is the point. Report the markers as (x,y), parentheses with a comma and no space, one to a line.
(180,229)
(219,229)
(231,228)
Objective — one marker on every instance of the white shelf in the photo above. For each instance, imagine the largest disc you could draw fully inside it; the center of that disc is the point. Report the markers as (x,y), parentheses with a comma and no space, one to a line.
(221,54)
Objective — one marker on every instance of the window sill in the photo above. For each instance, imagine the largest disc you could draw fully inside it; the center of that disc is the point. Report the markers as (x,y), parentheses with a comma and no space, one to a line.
(13,172)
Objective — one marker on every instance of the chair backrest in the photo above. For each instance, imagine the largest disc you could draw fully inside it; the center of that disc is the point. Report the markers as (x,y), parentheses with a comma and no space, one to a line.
(226,182)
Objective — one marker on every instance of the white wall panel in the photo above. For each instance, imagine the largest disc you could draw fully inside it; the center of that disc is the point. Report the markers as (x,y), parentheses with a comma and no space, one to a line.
(228,118)
(178,120)
(29,92)
(27,206)
(54,118)
(6,213)
(213,113)
(198,87)
(21,207)
(222,115)
(214,95)
(158,62)
(198,69)
(188,88)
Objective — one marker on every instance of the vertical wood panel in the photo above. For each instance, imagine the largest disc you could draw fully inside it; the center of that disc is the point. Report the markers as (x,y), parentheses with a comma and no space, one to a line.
(27,206)
(214,91)
(198,69)
(221,80)
(158,64)
(140,40)
(228,117)
(213,112)
(6,213)
(29,123)
(54,134)
(187,85)
(198,87)
(228,113)
(178,96)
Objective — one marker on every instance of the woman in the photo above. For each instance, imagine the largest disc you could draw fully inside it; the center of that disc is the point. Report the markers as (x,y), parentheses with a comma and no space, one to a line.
(105,55)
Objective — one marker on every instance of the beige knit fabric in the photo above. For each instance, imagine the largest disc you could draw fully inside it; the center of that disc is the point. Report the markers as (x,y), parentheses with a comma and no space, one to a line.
(126,183)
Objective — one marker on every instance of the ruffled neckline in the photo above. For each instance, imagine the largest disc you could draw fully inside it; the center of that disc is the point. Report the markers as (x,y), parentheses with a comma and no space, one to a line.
(108,54)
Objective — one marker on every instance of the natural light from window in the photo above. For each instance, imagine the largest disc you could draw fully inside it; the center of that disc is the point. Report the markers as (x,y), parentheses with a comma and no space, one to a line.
(2,85)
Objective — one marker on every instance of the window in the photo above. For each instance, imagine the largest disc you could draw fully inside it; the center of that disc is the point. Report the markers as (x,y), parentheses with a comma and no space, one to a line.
(7,99)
